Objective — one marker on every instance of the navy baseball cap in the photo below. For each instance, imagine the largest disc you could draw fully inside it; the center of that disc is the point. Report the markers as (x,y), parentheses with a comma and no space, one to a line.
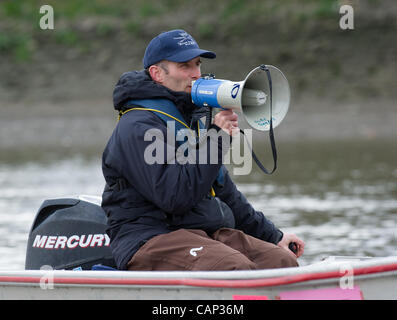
(174,45)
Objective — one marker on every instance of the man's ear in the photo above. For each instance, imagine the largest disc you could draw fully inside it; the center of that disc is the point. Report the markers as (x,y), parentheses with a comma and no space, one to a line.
(156,73)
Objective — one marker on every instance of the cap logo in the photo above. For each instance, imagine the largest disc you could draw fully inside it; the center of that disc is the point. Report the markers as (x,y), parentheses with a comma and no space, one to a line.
(185,39)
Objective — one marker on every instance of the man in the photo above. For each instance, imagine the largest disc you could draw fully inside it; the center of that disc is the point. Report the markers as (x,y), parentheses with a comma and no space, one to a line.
(168,215)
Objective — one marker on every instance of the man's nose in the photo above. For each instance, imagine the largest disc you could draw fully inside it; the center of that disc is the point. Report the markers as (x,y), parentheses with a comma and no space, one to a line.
(196,73)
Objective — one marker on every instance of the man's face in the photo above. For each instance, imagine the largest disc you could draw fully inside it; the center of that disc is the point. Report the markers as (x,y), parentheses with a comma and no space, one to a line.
(177,76)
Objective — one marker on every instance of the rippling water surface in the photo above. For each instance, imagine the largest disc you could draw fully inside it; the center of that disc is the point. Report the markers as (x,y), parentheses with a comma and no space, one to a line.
(340,198)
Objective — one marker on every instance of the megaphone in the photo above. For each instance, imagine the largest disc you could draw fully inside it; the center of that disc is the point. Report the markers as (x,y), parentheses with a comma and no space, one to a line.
(262,96)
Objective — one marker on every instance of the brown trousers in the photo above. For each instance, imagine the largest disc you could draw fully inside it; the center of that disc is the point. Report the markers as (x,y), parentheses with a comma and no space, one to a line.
(226,249)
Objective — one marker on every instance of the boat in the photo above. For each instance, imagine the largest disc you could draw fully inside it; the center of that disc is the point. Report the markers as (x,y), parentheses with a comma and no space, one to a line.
(340,279)
(68,258)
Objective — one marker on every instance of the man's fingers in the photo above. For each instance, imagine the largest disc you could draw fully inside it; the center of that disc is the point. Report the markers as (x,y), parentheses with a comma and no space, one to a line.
(228,121)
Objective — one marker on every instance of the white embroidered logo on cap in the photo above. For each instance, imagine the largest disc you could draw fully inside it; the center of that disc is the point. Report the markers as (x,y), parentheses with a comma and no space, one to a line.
(185,39)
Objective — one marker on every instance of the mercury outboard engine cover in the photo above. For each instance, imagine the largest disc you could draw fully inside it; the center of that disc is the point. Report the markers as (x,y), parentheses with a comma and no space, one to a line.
(68,234)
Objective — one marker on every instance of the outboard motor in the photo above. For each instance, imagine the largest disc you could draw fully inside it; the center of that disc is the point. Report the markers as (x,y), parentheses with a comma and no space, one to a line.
(69,234)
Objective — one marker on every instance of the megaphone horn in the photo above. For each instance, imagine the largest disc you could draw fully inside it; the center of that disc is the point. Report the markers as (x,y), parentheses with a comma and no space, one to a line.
(251,96)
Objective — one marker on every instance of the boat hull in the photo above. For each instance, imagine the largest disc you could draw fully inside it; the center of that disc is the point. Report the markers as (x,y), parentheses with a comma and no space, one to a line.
(331,280)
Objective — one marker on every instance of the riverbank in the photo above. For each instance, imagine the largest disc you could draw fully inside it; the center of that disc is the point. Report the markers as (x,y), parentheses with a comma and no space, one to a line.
(56,95)
(57,129)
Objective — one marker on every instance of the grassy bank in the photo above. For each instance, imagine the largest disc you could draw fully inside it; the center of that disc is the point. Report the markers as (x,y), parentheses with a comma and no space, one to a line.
(99,40)
(57,84)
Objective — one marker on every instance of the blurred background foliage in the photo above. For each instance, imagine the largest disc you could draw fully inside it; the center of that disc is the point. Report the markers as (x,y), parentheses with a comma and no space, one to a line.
(20,29)
(303,37)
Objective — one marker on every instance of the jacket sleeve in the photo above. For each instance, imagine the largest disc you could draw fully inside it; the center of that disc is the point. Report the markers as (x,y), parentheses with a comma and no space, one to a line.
(247,219)
(173,187)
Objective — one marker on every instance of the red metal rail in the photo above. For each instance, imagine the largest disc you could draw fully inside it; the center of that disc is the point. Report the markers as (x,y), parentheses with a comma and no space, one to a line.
(211,283)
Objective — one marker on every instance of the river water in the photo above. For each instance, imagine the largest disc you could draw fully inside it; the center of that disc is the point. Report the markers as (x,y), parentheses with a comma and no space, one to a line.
(339,197)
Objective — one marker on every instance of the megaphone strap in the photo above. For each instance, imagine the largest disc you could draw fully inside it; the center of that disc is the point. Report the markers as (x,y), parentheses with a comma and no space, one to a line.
(274,152)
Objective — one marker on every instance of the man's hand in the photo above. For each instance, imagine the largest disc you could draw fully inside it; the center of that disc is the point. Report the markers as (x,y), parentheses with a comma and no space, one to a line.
(227,120)
(287,239)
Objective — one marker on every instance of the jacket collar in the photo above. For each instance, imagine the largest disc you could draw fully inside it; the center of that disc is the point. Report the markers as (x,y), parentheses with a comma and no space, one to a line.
(139,85)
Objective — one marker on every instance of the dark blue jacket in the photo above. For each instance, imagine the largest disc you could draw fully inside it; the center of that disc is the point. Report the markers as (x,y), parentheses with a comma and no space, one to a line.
(140,198)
